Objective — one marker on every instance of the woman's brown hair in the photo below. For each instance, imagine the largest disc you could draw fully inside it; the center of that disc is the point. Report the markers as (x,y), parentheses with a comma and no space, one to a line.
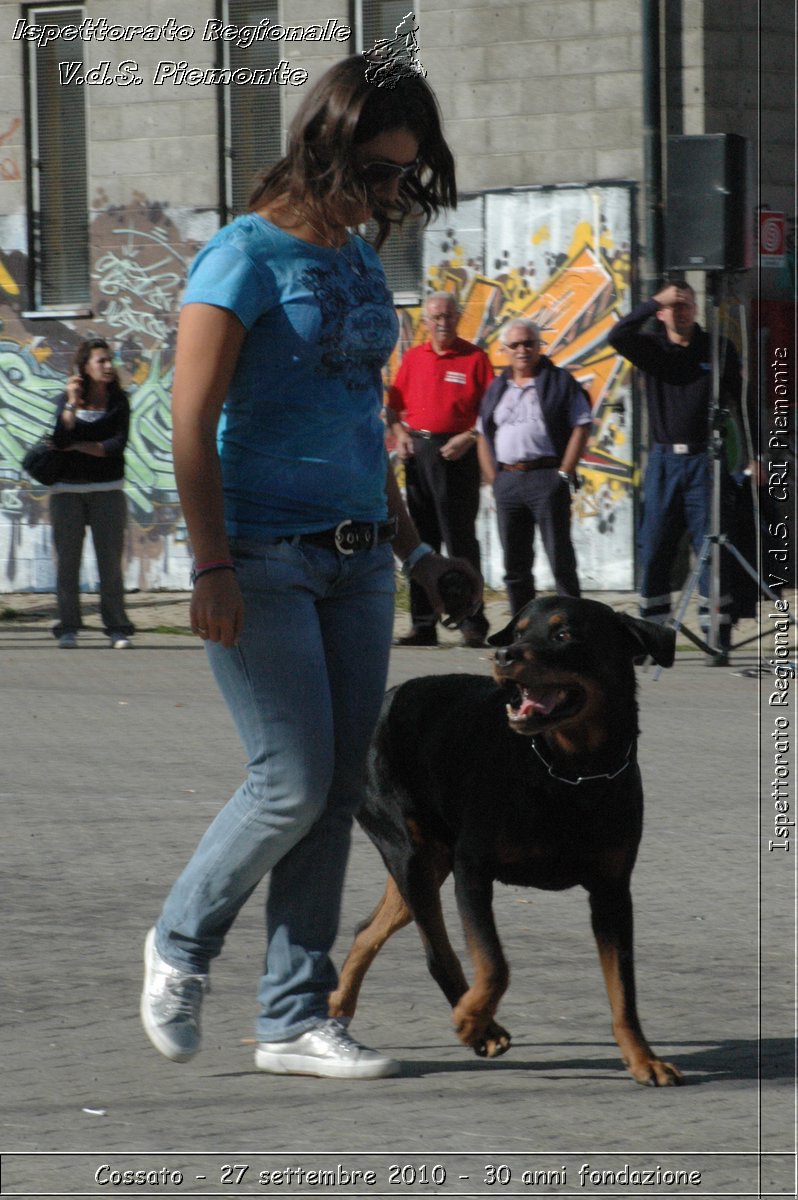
(319,174)
(83,354)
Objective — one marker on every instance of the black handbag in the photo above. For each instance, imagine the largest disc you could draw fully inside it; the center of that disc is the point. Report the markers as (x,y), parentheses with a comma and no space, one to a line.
(44,464)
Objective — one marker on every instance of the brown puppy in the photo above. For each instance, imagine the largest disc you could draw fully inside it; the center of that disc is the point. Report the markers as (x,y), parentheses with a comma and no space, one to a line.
(453,787)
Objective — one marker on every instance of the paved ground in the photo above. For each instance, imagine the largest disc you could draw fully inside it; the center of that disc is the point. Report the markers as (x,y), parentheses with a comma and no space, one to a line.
(113,763)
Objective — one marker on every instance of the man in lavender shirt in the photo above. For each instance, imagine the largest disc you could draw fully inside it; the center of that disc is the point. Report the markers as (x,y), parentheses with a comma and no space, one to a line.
(533,427)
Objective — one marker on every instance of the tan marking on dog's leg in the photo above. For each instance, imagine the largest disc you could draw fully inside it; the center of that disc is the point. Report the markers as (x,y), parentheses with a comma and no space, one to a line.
(473,1014)
(643,1065)
(390,915)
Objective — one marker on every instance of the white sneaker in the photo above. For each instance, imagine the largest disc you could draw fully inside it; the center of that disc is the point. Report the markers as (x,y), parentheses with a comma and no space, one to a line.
(170,1005)
(67,641)
(120,643)
(328,1051)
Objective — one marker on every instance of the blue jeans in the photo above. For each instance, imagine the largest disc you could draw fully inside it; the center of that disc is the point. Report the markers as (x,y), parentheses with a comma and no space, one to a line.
(677,495)
(304,687)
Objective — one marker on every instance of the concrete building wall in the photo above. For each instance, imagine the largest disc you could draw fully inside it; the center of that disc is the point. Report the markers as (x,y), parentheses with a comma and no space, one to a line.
(533,93)
(537,93)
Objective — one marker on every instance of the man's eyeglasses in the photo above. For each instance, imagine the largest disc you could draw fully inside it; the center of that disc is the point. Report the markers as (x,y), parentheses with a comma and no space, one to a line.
(528,345)
(387,172)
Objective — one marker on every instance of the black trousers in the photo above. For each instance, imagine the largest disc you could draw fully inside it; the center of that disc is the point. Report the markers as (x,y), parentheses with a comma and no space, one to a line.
(443,500)
(526,500)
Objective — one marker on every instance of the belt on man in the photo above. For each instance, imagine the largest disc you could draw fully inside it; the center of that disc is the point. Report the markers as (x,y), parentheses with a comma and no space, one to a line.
(428,436)
(349,537)
(532,464)
(681,447)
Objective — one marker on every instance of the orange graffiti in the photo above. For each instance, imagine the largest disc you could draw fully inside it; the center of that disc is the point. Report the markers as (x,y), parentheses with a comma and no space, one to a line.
(8,166)
(571,300)
(13,127)
(599,375)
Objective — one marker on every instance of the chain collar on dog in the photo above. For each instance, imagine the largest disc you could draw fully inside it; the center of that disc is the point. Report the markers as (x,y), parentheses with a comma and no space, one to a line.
(583,778)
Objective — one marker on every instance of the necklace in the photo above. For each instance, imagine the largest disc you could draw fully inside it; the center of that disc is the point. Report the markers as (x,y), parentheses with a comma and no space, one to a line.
(340,250)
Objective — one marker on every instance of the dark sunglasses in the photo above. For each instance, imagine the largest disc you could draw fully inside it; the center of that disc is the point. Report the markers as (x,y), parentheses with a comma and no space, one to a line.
(527,345)
(387,172)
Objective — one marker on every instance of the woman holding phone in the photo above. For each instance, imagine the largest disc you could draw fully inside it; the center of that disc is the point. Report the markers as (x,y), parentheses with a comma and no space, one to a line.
(91,429)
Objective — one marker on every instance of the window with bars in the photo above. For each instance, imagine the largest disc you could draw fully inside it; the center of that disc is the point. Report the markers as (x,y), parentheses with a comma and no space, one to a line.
(57,166)
(252,114)
(402,253)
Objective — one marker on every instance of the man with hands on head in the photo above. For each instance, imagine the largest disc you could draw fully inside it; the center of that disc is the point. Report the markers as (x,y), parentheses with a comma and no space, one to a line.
(431,412)
(675,358)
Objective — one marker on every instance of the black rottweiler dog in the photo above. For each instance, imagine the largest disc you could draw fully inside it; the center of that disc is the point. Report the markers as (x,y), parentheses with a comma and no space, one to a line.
(532,782)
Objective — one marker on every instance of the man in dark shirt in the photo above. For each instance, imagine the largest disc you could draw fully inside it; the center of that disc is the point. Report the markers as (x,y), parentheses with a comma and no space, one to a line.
(676,361)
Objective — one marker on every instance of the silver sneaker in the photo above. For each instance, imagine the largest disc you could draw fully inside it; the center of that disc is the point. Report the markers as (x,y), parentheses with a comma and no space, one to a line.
(327,1050)
(170,1005)
(68,641)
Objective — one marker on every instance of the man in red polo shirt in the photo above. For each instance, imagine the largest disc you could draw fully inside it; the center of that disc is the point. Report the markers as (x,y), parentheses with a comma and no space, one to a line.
(432,409)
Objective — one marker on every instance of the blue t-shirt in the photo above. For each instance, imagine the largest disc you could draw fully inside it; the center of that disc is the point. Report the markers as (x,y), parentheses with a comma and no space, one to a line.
(301,441)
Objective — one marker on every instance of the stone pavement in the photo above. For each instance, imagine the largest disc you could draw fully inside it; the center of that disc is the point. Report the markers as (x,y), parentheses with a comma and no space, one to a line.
(112,766)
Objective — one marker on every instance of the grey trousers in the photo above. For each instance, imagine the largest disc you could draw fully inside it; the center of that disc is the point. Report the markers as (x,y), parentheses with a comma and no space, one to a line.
(525,500)
(105,513)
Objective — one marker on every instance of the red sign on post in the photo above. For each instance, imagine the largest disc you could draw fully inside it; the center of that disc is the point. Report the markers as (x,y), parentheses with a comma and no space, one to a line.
(772,238)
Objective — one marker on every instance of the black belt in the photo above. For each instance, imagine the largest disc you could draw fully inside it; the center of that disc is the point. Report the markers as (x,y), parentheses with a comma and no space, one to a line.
(532,464)
(681,447)
(351,536)
(428,436)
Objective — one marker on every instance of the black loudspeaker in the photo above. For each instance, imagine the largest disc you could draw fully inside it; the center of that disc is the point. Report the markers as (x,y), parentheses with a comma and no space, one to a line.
(708,215)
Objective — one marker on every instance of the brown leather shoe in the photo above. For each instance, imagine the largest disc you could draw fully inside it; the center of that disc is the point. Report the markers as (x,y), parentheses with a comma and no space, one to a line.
(475,641)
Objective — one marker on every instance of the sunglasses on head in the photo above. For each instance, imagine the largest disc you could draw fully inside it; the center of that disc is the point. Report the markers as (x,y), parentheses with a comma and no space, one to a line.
(527,344)
(387,172)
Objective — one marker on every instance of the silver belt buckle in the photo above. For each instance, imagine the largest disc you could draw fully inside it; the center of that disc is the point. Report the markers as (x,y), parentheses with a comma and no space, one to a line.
(681,448)
(344,538)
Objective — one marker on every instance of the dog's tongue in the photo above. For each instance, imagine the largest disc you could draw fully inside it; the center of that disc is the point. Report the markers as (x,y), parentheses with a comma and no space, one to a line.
(543,702)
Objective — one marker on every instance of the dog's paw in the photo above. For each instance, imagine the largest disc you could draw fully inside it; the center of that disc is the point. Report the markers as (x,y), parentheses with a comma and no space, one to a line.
(653,1072)
(476,1029)
(495,1041)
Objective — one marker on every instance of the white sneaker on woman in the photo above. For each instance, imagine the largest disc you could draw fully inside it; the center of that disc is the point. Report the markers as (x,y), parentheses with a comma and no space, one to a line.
(327,1050)
(170,1005)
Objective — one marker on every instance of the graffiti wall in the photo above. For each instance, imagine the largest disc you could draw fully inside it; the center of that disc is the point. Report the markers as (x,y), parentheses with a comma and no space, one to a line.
(139,256)
(560,256)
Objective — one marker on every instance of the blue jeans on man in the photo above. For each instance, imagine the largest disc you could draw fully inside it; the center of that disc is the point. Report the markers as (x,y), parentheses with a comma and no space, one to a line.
(677,496)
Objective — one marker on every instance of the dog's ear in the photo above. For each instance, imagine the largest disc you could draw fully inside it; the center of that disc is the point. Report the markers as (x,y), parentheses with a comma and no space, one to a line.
(648,638)
(505,637)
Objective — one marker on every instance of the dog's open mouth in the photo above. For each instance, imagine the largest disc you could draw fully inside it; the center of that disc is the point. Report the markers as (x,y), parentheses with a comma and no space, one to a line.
(534,708)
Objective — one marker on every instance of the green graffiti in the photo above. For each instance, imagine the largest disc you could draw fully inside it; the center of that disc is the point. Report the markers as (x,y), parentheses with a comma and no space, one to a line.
(148,462)
(27,395)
